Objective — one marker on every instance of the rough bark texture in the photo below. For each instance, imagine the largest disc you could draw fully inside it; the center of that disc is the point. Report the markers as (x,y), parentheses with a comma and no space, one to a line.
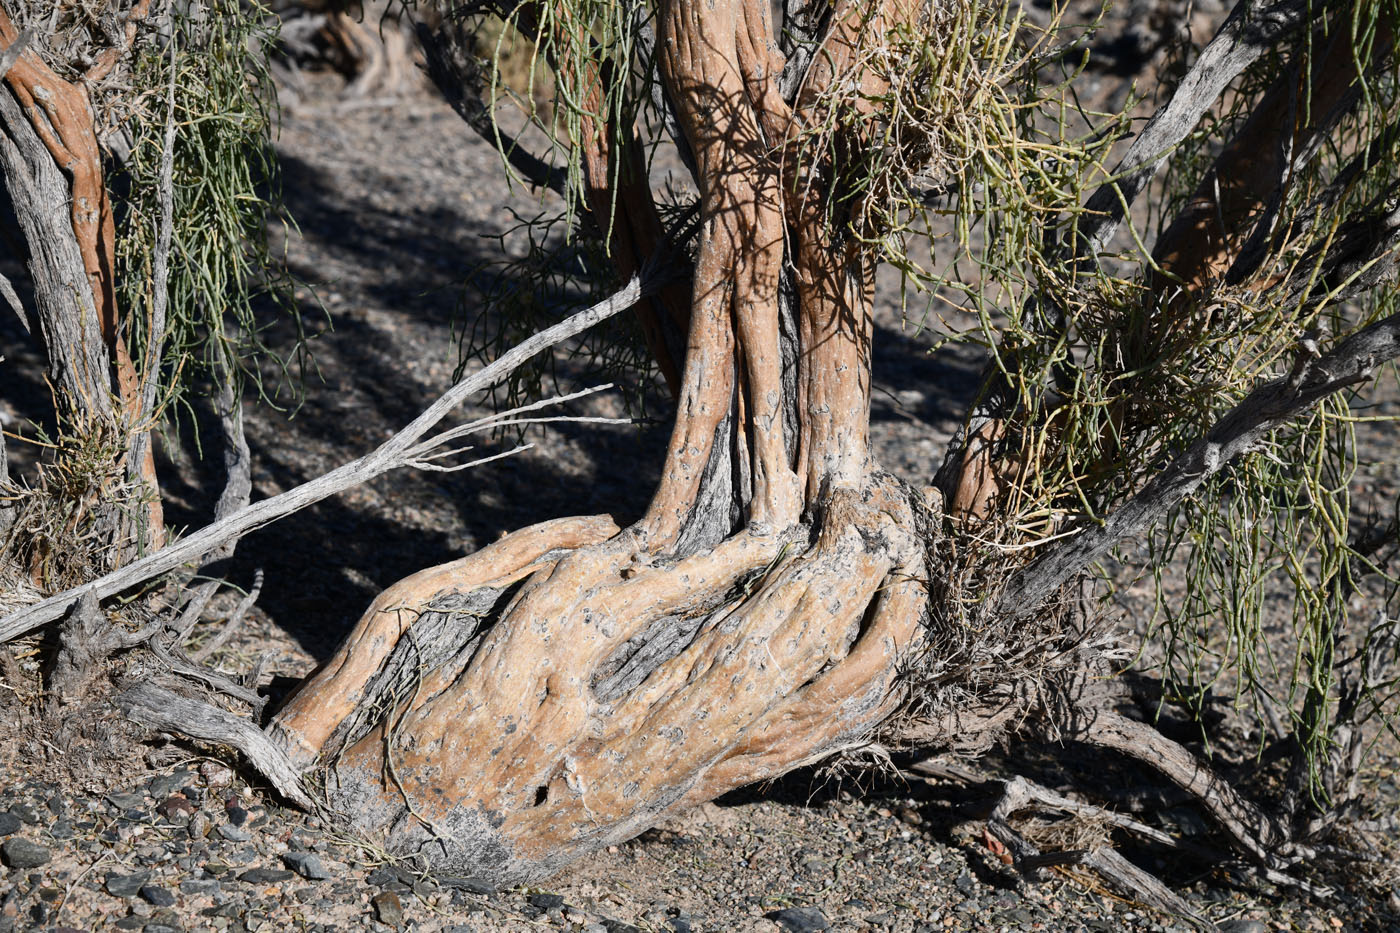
(568,686)
(53,165)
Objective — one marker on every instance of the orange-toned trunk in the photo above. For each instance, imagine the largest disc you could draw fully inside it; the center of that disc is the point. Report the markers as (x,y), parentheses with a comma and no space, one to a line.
(753,620)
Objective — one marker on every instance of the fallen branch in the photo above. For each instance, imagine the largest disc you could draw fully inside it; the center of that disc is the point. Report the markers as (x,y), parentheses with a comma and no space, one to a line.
(399,450)
(1131,881)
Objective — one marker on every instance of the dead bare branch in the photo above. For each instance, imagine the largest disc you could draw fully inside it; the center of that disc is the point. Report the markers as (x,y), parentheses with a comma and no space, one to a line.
(1241,430)
(159,708)
(1251,30)
(393,453)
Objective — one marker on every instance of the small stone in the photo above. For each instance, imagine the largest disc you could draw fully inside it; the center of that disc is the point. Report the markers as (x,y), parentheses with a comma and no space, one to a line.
(265,876)
(388,909)
(470,885)
(382,876)
(215,774)
(233,833)
(546,901)
(61,829)
(201,887)
(307,865)
(199,826)
(617,926)
(236,814)
(128,801)
(159,928)
(119,885)
(679,924)
(26,813)
(1243,926)
(9,824)
(163,785)
(799,919)
(154,894)
(21,853)
(174,806)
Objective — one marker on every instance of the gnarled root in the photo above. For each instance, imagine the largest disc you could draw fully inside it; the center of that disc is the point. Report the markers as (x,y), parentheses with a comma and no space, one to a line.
(616,686)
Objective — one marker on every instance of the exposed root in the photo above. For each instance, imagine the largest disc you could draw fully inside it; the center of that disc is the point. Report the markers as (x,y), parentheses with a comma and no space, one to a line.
(498,753)
(333,692)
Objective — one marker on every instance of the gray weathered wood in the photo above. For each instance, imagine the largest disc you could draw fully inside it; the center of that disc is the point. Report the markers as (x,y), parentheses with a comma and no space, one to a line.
(64,309)
(399,450)
(161,709)
(1253,28)
(1241,430)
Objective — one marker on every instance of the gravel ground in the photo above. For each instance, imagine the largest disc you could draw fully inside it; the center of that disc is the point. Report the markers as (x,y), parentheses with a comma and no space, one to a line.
(393,200)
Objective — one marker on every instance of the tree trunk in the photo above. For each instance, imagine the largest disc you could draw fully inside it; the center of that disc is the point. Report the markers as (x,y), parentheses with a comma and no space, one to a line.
(571,684)
(55,176)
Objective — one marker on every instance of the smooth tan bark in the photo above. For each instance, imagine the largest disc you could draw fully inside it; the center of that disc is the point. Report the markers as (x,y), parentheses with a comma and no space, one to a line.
(634,675)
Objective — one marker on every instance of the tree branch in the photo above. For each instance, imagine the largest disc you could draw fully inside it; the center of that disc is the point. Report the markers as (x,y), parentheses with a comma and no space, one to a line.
(161,709)
(1238,432)
(393,453)
(1252,29)
(454,71)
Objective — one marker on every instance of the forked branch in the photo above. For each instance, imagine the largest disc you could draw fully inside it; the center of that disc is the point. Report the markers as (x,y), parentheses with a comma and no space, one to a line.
(400,450)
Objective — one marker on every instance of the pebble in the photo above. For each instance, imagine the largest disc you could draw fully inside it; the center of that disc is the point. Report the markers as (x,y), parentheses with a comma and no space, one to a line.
(470,885)
(307,864)
(19,852)
(546,901)
(1243,926)
(200,887)
(382,876)
(9,824)
(175,806)
(265,875)
(154,894)
(164,785)
(388,909)
(128,801)
(233,833)
(799,919)
(119,885)
(26,813)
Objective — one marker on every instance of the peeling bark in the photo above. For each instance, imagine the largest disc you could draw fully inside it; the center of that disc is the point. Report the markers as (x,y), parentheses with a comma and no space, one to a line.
(755,618)
(79,322)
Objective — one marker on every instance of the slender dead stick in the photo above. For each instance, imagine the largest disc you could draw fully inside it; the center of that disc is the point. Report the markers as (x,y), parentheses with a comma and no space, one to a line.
(398,451)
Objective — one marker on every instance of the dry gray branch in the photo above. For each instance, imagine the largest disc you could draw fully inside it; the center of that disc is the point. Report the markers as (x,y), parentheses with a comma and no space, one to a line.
(453,68)
(1241,430)
(160,292)
(238,489)
(393,453)
(235,619)
(159,708)
(1126,877)
(1253,28)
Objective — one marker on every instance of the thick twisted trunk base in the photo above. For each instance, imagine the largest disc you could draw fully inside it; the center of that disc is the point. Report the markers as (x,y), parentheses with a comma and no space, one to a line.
(613,687)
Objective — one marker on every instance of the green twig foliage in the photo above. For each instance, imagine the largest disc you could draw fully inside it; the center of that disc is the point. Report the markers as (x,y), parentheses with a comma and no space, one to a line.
(223,279)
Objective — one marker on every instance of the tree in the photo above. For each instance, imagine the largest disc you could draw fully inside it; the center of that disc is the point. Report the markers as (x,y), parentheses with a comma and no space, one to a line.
(784,599)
